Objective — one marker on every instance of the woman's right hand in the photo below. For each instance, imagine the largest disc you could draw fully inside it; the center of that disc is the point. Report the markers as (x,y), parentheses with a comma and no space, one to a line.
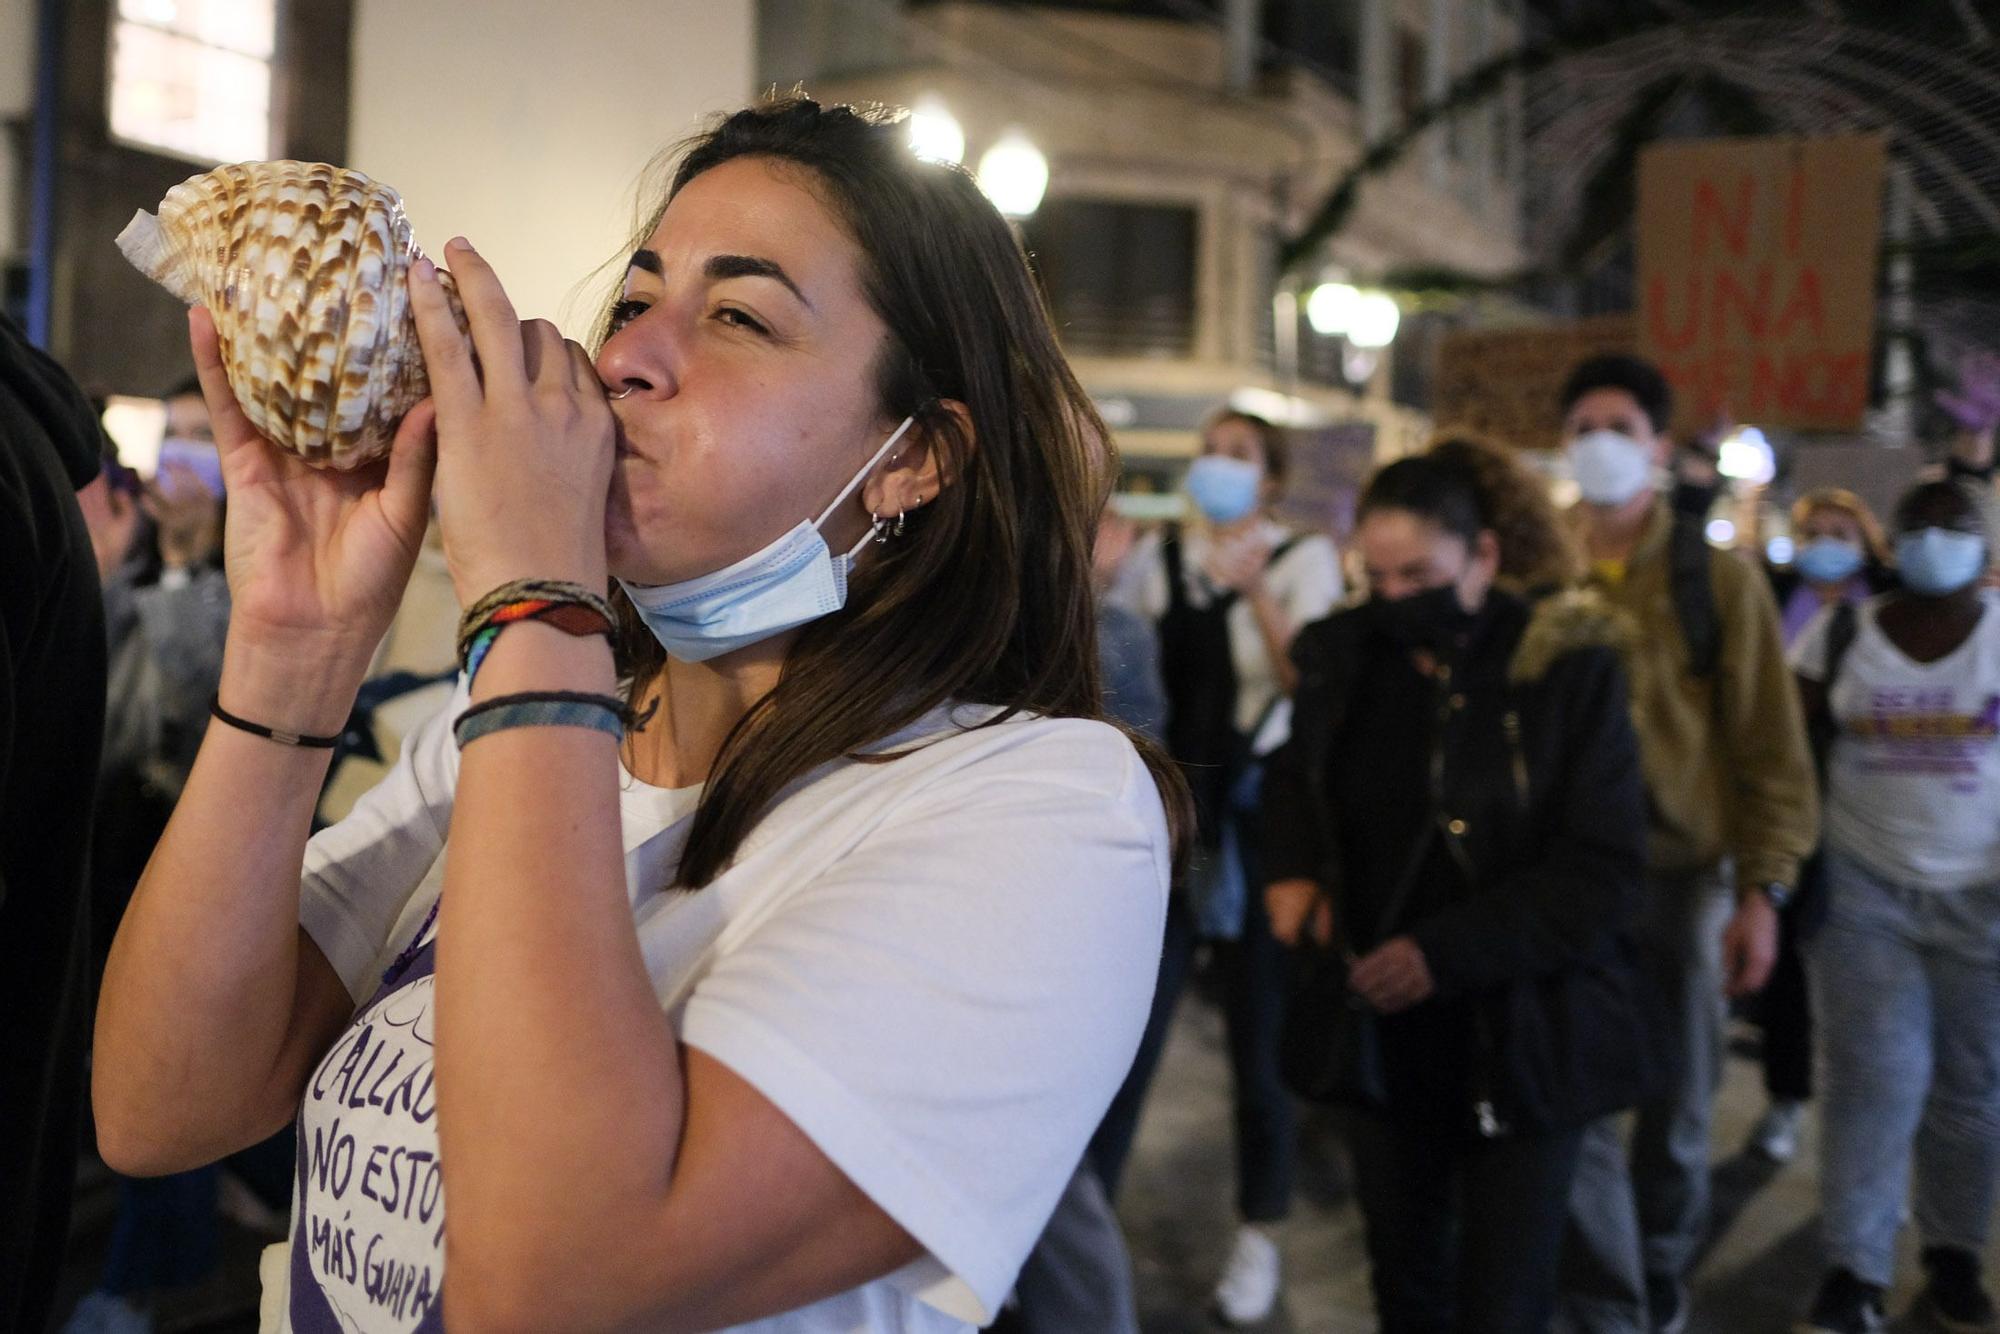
(1294,906)
(317,560)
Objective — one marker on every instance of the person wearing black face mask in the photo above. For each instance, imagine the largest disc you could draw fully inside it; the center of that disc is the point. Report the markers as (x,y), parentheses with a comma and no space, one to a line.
(1458,824)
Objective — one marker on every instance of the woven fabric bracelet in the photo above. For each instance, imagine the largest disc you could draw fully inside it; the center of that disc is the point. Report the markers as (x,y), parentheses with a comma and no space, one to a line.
(571,608)
(541,708)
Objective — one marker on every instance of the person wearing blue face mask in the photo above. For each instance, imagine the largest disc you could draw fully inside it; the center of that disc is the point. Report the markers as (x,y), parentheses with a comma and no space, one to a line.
(1841,558)
(766,967)
(1228,591)
(1906,970)
(1839,555)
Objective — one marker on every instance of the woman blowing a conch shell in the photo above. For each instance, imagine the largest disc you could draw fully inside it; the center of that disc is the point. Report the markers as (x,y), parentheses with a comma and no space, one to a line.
(304,268)
(782,963)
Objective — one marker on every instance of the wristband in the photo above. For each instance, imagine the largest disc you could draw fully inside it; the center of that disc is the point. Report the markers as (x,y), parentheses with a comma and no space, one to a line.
(276,734)
(541,708)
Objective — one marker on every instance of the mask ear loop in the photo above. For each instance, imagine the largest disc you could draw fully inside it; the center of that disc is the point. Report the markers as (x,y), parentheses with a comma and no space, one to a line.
(877,524)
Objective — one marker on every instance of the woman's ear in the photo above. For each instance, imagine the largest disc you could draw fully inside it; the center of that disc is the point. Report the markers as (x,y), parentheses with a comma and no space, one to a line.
(1486,554)
(915,474)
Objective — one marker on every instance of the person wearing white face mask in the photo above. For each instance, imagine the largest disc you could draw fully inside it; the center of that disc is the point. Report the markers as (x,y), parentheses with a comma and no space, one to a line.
(1228,593)
(1732,813)
(1906,971)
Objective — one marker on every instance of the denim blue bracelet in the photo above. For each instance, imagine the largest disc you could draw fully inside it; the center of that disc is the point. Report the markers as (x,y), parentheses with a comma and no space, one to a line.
(541,708)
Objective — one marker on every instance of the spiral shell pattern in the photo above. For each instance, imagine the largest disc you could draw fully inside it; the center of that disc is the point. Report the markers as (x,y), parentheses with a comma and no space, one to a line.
(304,267)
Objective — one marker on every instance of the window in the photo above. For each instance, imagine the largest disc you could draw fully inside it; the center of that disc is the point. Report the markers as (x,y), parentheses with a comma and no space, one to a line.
(1322,35)
(193,77)
(1412,62)
(1120,277)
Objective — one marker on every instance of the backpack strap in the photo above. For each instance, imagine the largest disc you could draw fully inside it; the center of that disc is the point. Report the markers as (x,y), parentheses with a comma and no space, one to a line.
(1172,555)
(1823,729)
(1692,585)
(1839,638)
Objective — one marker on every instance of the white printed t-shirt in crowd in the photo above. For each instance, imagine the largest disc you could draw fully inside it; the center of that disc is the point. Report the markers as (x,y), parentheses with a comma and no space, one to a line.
(1913,788)
(1305,582)
(938,968)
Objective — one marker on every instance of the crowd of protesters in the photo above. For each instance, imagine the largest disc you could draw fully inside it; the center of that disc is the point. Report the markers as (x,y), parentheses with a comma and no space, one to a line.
(923,812)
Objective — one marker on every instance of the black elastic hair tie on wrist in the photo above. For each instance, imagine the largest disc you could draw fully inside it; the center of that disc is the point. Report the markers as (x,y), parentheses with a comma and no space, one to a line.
(270,733)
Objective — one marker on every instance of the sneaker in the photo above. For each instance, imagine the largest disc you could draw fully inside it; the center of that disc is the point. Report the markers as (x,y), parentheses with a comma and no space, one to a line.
(1667,1303)
(102,1313)
(1777,1134)
(1954,1299)
(1845,1305)
(1249,1287)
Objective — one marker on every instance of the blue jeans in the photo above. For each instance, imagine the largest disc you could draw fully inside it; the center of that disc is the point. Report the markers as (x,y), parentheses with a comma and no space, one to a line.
(1642,1209)
(1906,982)
(1252,971)
(1079,1276)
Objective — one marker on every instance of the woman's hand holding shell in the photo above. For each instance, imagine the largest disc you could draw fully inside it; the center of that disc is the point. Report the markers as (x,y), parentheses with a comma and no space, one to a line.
(317,559)
(525,438)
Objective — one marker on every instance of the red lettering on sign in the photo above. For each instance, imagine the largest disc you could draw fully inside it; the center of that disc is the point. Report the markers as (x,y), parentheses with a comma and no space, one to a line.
(1808,303)
(1753,309)
(1710,212)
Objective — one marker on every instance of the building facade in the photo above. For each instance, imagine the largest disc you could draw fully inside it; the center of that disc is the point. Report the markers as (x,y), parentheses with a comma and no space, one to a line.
(1184,140)
(522,125)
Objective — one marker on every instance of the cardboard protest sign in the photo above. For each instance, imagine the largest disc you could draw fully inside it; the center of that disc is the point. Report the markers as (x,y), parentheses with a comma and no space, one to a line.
(1505,384)
(1757,276)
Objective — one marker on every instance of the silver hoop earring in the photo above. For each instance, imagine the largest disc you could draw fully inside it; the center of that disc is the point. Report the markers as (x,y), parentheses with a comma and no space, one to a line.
(900,516)
(880,526)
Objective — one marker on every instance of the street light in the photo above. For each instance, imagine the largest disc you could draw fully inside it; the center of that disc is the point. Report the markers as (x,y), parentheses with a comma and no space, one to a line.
(1330,308)
(1746,456)
(1014,175)
(1372,324)
(935,133)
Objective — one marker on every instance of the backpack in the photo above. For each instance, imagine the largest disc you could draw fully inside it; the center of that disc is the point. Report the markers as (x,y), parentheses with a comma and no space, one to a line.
(1691,583)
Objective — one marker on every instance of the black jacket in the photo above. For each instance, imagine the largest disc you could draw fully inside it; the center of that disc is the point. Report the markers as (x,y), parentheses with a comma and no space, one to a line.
(51,725)
(1536,796)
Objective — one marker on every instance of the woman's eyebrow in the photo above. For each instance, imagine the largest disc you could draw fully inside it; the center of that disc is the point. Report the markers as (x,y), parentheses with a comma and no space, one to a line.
(727,267)
(720,267)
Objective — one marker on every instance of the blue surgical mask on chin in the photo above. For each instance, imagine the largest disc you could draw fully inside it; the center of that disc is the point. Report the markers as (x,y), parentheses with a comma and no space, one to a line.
(789,583)
(1938,561)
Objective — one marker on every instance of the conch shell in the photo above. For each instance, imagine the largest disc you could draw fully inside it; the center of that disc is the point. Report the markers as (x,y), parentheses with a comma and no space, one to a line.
(304,267)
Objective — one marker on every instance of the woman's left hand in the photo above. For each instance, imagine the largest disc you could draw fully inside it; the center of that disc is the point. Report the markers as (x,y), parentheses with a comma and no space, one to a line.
(1393,977)
(1236,563)
(525,437)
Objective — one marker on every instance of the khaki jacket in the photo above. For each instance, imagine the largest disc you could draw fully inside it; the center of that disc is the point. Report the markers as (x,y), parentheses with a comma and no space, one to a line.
(1728,771)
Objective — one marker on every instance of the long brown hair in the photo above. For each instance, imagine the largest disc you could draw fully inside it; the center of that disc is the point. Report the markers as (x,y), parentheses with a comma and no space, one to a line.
(987,597)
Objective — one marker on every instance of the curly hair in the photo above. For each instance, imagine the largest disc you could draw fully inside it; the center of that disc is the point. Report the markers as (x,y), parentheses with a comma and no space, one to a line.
(1536,548)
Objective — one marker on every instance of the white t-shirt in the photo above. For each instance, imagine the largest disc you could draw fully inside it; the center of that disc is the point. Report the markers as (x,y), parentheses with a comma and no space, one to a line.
(938,968)
(1913,788)
(1305,582)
